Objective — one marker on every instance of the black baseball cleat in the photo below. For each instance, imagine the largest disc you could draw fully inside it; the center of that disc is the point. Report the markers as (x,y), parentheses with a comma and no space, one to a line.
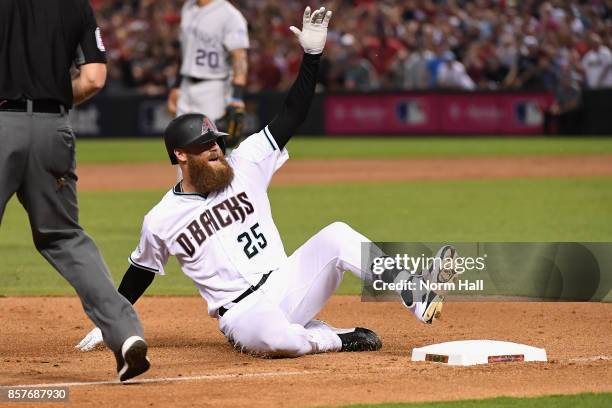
(359,339)
(132,359)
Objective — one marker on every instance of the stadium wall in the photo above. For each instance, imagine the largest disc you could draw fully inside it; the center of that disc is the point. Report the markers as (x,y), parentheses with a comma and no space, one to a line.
(389,113)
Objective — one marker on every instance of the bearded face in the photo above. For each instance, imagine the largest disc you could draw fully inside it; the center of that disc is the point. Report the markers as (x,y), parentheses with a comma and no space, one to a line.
(209,174)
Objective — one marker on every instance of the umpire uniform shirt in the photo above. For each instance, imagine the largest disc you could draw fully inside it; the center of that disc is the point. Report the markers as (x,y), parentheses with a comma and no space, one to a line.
(37,66)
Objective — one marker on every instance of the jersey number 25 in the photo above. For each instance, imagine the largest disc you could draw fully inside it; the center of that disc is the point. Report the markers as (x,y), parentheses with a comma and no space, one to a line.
(250,247)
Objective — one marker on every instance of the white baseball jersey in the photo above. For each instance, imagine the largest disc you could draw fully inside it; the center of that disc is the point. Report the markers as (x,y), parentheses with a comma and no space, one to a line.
(595,62)
(207,35)
(224,241)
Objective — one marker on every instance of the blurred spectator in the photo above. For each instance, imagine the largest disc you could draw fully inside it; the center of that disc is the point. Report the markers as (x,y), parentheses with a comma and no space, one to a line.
(494,74)
(452,75)
(566,111)
(410,69)
(533,69)
(597,64)
(395,43)
(359,73)
(508,51)
(265,71)
(433,66)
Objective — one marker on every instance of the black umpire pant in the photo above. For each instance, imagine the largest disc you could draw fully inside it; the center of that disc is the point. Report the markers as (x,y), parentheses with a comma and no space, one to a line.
(37,161)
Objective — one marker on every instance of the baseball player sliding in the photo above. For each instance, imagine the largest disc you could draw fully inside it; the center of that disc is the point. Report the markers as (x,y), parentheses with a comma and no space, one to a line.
(214,41)
(218,223)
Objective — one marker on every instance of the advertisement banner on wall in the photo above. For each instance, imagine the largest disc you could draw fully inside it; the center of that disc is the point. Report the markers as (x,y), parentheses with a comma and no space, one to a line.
(146,116)
(466,113)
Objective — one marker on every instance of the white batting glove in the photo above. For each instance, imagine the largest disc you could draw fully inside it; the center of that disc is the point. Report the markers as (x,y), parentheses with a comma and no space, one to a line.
(314,30)
(91,341)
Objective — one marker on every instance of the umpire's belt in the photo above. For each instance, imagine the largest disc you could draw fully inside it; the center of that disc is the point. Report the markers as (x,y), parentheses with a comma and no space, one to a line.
(246,293)
(38,105)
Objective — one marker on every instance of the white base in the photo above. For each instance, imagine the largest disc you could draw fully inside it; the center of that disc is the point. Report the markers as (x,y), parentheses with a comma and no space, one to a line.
(472,352)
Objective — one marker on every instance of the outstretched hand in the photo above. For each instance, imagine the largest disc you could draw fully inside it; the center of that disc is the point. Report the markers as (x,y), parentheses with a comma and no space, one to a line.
(314,30)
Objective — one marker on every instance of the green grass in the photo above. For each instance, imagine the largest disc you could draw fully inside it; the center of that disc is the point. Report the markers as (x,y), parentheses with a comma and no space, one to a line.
(553,401)
(569,209)
(152,150)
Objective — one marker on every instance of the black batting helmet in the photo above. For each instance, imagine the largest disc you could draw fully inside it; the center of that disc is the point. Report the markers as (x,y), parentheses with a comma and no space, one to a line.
(191,129)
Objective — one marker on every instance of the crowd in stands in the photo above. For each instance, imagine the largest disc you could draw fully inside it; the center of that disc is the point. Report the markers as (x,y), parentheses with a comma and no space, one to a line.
(385,44)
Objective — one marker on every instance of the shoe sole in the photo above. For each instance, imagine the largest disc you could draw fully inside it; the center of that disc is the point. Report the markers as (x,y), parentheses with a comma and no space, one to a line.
(135,361)
(434,310)
(448,273)
(362,348)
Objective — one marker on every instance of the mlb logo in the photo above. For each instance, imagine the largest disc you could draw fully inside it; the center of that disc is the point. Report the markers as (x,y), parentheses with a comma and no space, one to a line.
(411,112)
(528,113)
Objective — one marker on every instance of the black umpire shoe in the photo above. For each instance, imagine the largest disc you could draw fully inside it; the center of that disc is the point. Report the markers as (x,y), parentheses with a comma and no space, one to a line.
(132,359)
(359,339)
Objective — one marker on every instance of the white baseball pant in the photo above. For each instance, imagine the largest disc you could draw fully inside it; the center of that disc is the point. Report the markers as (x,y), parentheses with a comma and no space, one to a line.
(209,97)
(277,319)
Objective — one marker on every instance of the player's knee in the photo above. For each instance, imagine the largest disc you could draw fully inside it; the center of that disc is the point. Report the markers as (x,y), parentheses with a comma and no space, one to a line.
(339,226)
(338,234)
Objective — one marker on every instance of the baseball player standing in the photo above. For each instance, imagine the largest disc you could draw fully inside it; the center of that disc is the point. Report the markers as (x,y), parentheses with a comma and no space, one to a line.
(218,223)
(214,41)
(39,41)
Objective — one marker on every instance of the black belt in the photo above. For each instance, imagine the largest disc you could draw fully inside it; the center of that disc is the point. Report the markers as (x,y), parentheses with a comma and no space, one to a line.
(198,80)
(38,105)
(246,293)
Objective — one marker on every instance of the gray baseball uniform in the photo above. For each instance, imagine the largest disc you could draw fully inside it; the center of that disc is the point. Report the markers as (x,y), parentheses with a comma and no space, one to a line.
(208,34)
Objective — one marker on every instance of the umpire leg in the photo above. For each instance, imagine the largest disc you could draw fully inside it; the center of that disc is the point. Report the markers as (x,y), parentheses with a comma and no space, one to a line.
(13,155)
(48,193)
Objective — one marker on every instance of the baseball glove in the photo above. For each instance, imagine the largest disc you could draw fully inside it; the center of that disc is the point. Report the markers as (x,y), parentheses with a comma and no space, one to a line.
(232,123)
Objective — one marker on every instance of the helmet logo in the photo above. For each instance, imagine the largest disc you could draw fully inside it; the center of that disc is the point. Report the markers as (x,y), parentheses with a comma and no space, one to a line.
(208,126)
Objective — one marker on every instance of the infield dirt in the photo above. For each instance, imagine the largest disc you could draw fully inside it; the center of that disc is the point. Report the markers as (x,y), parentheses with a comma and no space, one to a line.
(38,335)
(299,172)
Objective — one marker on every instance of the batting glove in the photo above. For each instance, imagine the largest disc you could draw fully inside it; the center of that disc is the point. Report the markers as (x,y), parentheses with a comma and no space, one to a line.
(314,30)
(91,341)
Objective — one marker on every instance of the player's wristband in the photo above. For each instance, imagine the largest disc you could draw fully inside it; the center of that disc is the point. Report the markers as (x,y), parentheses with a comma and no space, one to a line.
(237,92)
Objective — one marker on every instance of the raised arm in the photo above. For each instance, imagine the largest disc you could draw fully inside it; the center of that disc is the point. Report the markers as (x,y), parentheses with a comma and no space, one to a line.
(293,112)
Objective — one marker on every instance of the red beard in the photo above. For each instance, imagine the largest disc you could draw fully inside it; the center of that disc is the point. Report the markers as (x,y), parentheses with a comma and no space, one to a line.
(206,178)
